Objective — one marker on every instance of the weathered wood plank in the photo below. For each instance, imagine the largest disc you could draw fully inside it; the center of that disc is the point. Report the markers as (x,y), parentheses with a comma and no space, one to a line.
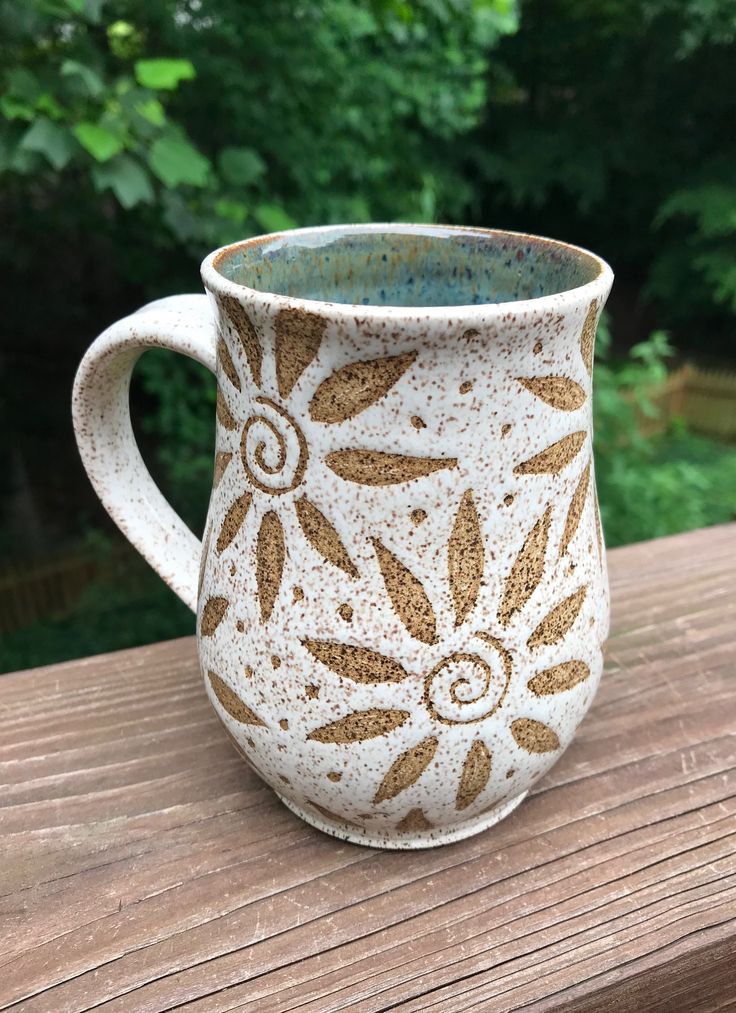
(144,867)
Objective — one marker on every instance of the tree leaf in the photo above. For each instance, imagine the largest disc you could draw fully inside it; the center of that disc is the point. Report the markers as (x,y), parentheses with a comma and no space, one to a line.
(175,161)
(128,180)
(374,467)
(407,595)
(406,769)
(100,142)
(556,623)
(273,218)
(556,457)
(163,74)
(357,663)
(465,558)
(50,140)
(231,702)
(558,678)
(534,736)
(475,774)
(322,536)
(241,165)
(557,391)
(270,555)
(526,571)
(355,387)
(360,725)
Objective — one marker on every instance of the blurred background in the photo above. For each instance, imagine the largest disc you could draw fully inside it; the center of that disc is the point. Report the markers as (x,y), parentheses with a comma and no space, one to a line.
(135,137)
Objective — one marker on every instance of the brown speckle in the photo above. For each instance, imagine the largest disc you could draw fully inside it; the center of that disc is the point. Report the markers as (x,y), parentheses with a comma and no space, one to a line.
(466,386)
(334,775)
(312,691)
(418,515)
(345,612)
(418,423)
(284,725)
(275,661)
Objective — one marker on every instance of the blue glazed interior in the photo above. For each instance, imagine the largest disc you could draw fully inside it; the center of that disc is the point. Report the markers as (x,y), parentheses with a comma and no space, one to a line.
(421,266)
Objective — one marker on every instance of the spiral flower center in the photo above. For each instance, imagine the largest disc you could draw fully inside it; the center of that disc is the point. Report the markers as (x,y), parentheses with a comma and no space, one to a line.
(273,449)
(466,687)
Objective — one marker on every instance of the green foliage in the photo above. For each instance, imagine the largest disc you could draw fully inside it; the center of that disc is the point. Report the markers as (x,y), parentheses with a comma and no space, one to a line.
(660,485)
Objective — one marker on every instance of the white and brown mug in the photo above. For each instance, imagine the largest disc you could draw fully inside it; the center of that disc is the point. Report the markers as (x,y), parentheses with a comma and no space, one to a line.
(401,593)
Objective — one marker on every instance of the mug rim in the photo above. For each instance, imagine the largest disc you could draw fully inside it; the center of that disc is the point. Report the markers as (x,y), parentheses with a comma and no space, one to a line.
(599,286)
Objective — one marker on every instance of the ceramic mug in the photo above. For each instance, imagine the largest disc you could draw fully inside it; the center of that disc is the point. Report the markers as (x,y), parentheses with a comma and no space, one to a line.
(401,593)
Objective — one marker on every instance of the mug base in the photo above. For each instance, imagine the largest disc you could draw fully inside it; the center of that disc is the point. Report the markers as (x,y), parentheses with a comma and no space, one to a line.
(408,840)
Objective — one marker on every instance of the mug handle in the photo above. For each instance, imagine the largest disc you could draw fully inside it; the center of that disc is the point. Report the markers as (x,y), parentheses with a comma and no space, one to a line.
(109,452)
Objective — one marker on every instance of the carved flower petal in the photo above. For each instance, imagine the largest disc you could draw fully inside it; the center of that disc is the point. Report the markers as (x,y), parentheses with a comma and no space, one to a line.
(474,778)
(374,467)
(414,820)
(557,391)
(246,332)
(222,459)
(558,678)
(224,415)
(465,558)
(357,663)
(587,336)
(203,558)
(333,817)
(357,386)
(556,623)
(599,529)
(526,571)
(407,595)
(299,334)
(406,769)
(575,510)
(322,536)
(270,555)
(534,736)
(212,615)
(556,457)
(228,366)
(233,521)
(231,702)
(360,725)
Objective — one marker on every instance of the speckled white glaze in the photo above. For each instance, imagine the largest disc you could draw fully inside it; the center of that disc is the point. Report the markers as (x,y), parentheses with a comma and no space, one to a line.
(336,581)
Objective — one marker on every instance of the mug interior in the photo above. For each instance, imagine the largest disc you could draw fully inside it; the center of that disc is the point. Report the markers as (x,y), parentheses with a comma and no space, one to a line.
(407,265)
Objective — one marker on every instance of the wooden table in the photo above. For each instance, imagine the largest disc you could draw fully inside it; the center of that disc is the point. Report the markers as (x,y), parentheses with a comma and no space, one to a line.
(145,868)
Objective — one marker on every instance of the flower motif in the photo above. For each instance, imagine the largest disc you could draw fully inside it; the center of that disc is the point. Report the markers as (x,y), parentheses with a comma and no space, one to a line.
(273,444)
(465,686)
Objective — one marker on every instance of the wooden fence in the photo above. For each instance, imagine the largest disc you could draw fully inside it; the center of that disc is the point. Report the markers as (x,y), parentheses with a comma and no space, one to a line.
(705,399)
(31,592)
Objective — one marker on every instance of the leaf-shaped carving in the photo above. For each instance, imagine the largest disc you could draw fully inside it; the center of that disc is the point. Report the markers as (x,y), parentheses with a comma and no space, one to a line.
(414,820)
(556,623)
(360,725)
(233,521)
(556,457)
(299,334)
(575,510)
(322,536)
(224,415)
(407,769)
(534,736)
(228,366)
(599,528)
(374,467)
(203,558)
(333,817)
(558,678)
(465,558)
(246,332)
(357,663)
(475,774)
(526,571)
(231,702)
(557,391)
(407,595)
(587,336)
(270,554)
(222,459)
(212,615)
(357,386)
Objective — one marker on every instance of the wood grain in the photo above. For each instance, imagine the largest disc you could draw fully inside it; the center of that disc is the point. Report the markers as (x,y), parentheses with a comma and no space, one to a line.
(143,867)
